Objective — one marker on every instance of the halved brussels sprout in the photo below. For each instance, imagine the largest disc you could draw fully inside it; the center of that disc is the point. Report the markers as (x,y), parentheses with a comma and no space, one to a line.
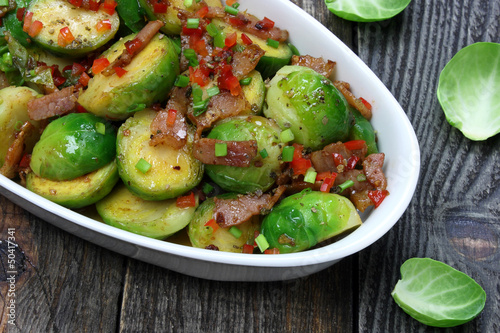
(72,146)
(305,219)
(155,219)
(202,235)
(262,173)
(81,23)
(13,114)
(255,91)
(172,172)
(308,103)
(78,192)
(172,22)
(148,79)
(362,130)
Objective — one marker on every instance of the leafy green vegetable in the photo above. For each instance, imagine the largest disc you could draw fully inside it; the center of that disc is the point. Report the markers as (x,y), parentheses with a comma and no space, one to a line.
(436,294)
(366,10)
(470,98)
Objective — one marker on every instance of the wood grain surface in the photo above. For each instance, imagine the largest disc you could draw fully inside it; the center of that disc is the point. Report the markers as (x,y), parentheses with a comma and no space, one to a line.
(65,284)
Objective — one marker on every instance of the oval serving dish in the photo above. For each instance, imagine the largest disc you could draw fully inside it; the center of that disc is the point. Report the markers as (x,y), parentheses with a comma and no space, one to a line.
(396,138)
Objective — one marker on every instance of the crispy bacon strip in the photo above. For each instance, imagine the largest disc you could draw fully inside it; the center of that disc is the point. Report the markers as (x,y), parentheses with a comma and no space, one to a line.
(57,103)
(220,106)
(239,153)
(229,212)
(174,135)
(16,150)
(321,66)
(322,160)
(372,167)
(344,87)
(244,62)
(144,37)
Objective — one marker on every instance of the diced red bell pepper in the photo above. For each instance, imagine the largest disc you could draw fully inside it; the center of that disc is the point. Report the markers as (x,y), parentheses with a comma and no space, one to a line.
(230,40)
(160,7)
(185,201)
(245,39)
(65,37)
(58,80)
(354,144)
(76,3)
(230,2)
(172,115)
(80,109)
(247,248)
(202,12)
(20,13)
(108,6)
(133,45)
(327,184)
(35,28)
(25,161)
(365,102)
(77,69)
(212,224)
(352,161)
(84,79)
(103,25)
(198,76)
(27,21)
(274,250)
(120,71)
(265,24)
(338,159)
(94,5)
(99,65)
(377,196)
(236,21)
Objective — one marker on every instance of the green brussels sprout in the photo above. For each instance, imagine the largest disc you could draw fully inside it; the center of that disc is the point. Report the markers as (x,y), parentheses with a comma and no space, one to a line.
(305,219)
(82,23)
(255,91)
(149,77)
(72,146)
(261,174)
(13,114)
(155,219)
(78,192)
(172,172)
(308,103)
(202,235)
(362,130)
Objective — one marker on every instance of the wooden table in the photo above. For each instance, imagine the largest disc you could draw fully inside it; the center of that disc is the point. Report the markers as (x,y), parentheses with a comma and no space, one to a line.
(66,284)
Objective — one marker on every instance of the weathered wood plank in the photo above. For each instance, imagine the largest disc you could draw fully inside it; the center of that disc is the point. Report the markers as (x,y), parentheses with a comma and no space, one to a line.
(62,283)
(454,215)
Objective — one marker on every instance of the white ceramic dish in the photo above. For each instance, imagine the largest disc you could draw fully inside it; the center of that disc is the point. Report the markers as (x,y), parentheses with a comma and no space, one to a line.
(396,139)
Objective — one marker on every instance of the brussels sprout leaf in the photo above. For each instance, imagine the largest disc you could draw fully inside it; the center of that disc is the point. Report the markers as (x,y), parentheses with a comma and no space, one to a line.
(468,90)
(436,294)
(366,10)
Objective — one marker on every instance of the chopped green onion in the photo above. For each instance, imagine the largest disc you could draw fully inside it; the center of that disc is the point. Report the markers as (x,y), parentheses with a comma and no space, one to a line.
(287,135)
(190,55)
(181,81)
(273,43)
(212,91)
(220,149)
(246,81)
(295,51)
(143,165)
(310,176)
(238,48)
(188,3)
(287,154)
(235,232)
(207,188)
(220,40)
(361,177)
(212,30)
(200,107)
(231,10)
(193,23)
(100,128)
(263,153)
(346,184)
(236,4)
(262,242)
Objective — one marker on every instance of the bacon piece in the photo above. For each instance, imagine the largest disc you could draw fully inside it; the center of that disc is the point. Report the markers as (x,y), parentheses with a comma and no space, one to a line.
(16,150)
(248,23)
(144,37)
(220,106)
(322,160)
(57,103)
(352,175)
(361,200)
(239,153)
(372,167)
(172,135)
(229,212)
(321,66)
(344,87)
(244,62)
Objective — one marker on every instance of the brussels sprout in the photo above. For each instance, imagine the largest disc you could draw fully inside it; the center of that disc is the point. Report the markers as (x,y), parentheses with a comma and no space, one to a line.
(72,146)
(155,219)
(82,23)
(302,220)
(255,91)
(366,11)
(78,192)
(306,102)
(149,77)
(261,174)
(172,171)
(362,130)
(13,114)
(202,235)
(172,22)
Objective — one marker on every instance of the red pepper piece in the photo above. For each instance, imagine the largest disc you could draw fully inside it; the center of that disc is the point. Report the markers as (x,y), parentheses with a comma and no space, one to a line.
(352,161)
(246,40)
(99,64)
(355,144)
(172,115)
(186,201)
(212,224)
(377,196)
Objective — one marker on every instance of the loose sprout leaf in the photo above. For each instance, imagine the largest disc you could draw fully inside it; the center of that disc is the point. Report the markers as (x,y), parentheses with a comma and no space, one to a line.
(366,10)
(436,294)
(469,90)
